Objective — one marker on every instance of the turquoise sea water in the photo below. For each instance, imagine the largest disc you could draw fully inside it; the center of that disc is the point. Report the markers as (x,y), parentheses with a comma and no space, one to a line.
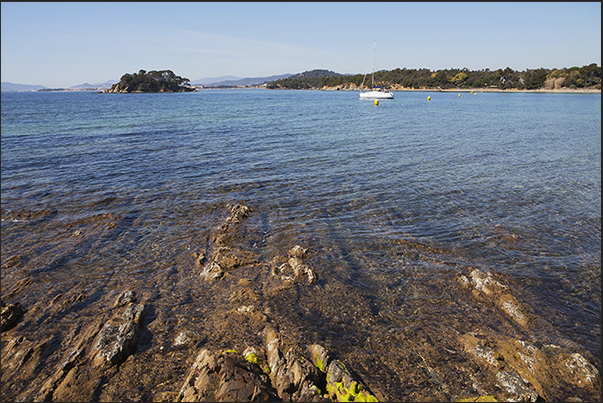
(506,182)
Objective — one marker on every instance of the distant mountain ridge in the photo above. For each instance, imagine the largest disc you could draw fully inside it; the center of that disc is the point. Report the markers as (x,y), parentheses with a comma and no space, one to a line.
(317,73)
(235,81)
(13,87)
(6,86)
(106,84)
(208,81)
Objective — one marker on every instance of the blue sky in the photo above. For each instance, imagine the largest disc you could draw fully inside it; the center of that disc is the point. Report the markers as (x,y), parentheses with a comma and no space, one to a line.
(67,44)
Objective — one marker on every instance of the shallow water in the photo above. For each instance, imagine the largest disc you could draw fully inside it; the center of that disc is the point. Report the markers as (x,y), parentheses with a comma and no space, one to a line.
(394,203)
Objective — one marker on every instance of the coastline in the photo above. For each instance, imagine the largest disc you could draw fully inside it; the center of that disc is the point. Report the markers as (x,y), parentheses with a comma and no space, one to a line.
(473,90)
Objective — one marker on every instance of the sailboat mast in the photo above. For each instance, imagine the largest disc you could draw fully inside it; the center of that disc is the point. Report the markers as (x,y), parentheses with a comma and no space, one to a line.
(373,73)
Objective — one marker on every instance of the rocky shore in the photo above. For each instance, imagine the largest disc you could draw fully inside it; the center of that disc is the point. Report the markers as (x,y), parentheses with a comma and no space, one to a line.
(401,88)
(227,323)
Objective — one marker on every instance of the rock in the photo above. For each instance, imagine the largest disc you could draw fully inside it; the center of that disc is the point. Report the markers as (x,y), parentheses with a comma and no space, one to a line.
(342,387)
(295,269)
(225,257)
(186,339)
(485,283)
(297,251)
(514,385)
(582,372)
(512,308)
(238,213)
(118,338)
(10,315)
(319,356)
(225,377)
(199,258)
(245,295)
(486,287)
(486,354)
(124,298)
(252,312)
(293,376)
(298,379)
(213,271)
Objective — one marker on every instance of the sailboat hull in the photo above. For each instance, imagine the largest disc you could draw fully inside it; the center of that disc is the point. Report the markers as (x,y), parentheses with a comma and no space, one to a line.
(377,95)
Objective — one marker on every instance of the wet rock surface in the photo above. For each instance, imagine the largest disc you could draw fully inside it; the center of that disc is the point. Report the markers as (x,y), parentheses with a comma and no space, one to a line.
(230,317)
(11,315)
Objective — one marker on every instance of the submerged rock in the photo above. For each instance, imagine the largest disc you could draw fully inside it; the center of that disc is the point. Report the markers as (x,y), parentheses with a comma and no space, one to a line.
(525,372)
(485,287)
(11,315)
(515,386)
(225,256)
(582,373)
(124,298)
(294,269)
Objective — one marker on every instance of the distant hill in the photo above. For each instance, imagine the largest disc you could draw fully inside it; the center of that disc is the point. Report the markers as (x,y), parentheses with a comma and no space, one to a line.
(11,87)
(214,80)
(106,84)
(318,73)
(235,81)
(312,79)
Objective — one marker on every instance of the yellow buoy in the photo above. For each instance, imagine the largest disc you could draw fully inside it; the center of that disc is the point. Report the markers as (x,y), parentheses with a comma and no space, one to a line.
(459,95)
(429,98)
(475,94)
(376,102)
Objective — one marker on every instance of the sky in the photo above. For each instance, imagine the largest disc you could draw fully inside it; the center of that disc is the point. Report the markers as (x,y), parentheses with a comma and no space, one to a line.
(68,44)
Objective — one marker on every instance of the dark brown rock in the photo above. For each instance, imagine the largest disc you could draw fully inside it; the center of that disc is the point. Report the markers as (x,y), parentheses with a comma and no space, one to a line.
(11,314)
(225,377)
(119,337)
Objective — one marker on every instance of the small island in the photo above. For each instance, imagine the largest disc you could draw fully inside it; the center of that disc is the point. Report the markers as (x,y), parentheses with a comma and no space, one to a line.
(152,81)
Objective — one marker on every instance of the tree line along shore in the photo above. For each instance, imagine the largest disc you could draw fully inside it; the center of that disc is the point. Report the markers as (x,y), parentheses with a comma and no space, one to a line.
(569,79)
(574,79)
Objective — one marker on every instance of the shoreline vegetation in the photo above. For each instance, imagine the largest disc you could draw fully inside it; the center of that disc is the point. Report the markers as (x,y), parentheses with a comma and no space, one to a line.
(576,78)
(585,79)
(463,90)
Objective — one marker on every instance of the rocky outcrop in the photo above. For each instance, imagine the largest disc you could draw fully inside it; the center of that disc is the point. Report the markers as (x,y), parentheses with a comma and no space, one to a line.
(292,268)
(271,376)
(224,377)
(484,287)
(95,352)
(223,256)
(523,371)
(118,337)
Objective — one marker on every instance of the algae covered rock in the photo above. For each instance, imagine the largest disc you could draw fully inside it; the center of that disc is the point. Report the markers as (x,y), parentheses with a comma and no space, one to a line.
(269,374)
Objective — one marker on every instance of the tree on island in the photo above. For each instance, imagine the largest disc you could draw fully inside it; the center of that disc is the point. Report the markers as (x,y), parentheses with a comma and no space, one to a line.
(152,81)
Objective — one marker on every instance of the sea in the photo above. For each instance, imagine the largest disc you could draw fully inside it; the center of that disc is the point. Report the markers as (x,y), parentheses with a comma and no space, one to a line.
(394,201)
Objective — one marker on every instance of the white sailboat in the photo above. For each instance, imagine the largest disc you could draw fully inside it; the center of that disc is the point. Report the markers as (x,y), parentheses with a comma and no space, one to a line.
(375,92)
